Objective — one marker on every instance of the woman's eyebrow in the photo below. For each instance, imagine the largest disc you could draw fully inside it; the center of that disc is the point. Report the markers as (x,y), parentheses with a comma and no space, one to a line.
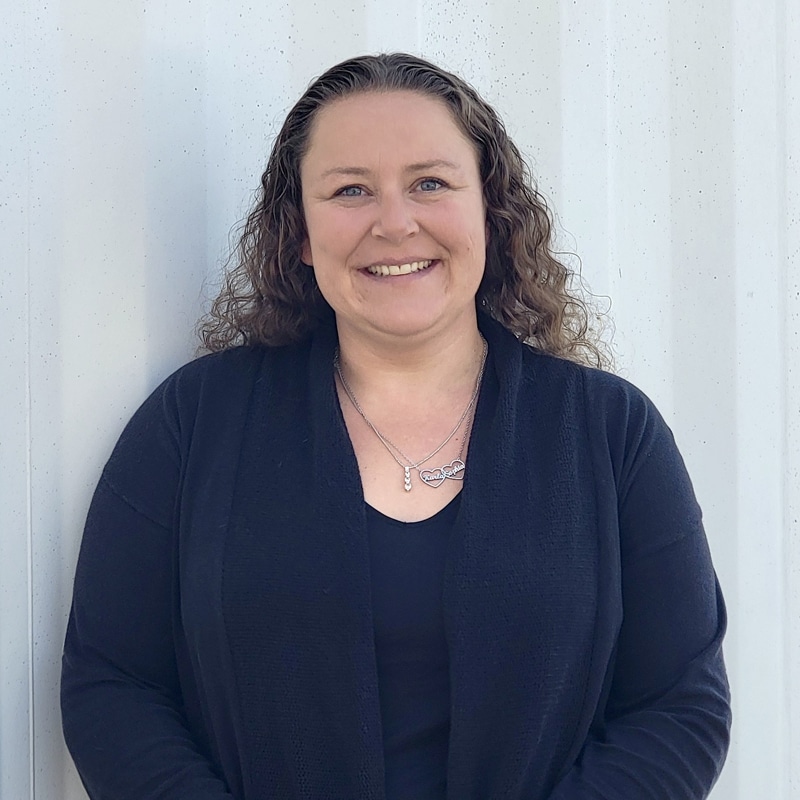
(358,171)
(438,163)
(419,166)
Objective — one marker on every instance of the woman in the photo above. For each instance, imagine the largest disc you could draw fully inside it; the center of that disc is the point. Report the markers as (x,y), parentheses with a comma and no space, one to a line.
(404,542)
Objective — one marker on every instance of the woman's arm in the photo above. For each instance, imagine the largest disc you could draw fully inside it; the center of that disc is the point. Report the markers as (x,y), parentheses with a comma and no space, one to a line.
(658,742)
(121,697)
(663,733)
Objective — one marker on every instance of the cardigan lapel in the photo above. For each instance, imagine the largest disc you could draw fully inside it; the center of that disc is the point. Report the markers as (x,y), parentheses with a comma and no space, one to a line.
(340,497)
(297,590)
(520,593)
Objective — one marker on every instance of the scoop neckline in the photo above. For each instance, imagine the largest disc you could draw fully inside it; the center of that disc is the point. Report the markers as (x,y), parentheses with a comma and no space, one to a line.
(450,509)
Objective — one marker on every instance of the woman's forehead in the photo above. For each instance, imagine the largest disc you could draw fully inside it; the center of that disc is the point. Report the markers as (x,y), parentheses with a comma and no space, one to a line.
(372,128)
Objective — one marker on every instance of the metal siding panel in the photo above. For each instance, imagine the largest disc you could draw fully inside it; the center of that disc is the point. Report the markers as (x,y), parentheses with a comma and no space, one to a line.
(788,22)
(16,740)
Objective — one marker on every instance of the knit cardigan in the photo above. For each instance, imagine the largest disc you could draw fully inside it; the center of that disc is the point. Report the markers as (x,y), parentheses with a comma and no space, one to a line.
(221,643)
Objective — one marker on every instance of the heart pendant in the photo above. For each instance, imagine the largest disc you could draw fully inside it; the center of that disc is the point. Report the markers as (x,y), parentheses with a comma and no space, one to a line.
(436,477)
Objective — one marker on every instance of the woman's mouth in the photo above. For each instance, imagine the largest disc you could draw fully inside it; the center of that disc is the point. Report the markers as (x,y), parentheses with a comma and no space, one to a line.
(383,270)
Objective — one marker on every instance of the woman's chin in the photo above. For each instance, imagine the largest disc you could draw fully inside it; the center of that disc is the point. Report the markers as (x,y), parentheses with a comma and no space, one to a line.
(410,323)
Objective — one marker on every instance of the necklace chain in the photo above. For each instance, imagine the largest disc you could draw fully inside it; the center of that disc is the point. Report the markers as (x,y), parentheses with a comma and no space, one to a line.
(435,477)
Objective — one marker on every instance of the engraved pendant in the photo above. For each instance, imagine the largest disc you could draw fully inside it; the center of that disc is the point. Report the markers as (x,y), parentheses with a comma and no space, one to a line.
(436,477)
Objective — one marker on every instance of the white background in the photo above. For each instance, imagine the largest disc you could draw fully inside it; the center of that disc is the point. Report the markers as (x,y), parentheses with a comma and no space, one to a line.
(667,135)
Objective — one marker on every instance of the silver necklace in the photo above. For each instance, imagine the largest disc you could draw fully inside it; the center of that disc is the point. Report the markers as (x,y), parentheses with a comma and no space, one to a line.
(430,477)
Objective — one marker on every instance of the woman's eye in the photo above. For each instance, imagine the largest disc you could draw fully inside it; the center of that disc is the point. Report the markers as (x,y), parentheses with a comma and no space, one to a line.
(430,184)
(350,191)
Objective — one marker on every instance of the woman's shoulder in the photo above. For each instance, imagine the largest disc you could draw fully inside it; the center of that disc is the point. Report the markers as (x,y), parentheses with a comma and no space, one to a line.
(545,373)
(612,409)
(227,373)
(557,386)
(231,364)
(207,391)
(597,386)
(201,407)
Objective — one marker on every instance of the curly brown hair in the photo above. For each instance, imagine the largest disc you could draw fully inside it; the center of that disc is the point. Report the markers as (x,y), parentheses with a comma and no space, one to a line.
(270,297)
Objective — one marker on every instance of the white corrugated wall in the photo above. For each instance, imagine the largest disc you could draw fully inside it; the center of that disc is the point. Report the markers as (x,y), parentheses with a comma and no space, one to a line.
(666,133)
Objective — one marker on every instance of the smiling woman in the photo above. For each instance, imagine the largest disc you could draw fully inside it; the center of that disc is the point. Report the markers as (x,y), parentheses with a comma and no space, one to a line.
(397,536)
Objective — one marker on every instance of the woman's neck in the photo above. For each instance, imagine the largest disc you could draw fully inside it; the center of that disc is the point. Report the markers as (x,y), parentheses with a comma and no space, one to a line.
(404,368)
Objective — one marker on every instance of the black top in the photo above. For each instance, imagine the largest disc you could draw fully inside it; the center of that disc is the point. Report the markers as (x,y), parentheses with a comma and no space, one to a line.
(407,562)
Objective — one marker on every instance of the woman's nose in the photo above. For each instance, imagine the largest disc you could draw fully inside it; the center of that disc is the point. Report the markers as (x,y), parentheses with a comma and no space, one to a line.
(395,218)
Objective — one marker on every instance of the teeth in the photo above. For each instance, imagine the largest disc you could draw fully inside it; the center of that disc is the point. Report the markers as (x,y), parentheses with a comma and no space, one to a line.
(398,269)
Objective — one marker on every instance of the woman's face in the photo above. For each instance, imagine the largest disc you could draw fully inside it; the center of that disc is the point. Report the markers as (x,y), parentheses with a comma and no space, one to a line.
(394,209)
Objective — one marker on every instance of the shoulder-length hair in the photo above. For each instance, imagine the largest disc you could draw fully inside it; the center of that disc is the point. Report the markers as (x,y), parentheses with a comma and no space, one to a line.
(270,297)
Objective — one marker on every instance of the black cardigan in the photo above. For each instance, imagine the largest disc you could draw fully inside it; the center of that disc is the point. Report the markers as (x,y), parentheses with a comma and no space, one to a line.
(220,643)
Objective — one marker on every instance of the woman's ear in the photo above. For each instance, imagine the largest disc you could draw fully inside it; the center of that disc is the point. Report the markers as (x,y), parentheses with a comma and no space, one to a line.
(305,253)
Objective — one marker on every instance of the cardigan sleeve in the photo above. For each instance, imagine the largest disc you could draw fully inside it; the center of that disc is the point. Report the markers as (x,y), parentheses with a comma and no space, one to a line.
(123,715)
(664,729)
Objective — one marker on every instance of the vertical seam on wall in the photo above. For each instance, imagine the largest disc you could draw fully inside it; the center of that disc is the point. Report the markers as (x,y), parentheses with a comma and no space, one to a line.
(612,219)
(781,20)
(28,465)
